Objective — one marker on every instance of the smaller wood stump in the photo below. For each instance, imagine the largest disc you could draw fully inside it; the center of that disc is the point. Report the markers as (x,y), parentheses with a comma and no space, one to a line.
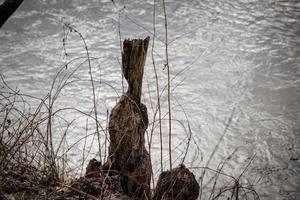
(93,168)
(183,184)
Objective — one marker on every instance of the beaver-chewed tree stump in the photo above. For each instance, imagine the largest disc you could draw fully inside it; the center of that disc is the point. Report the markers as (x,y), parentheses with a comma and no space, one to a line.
(181,182)
(129,161)
(128,122)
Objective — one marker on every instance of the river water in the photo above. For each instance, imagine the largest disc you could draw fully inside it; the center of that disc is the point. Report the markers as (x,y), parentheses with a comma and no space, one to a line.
(235,69)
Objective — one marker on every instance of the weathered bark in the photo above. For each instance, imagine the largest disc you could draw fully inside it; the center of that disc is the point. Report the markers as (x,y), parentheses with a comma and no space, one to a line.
(128,123)
(181,183)
(7,9)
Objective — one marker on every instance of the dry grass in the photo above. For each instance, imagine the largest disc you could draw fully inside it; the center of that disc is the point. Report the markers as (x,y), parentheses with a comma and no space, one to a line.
(33,166)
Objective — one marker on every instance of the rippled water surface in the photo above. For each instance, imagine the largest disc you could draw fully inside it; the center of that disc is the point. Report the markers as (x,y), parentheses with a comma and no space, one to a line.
(227,58)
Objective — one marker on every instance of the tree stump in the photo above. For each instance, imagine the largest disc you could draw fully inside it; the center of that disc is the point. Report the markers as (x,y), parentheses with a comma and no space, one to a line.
(181,183)
(127,124)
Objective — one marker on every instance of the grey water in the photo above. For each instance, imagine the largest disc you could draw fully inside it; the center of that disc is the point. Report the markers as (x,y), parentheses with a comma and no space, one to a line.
(235,69)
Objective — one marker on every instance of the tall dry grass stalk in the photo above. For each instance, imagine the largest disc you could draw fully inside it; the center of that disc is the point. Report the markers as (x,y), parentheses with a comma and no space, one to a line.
(168,85)
(72,29)
(157,89)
